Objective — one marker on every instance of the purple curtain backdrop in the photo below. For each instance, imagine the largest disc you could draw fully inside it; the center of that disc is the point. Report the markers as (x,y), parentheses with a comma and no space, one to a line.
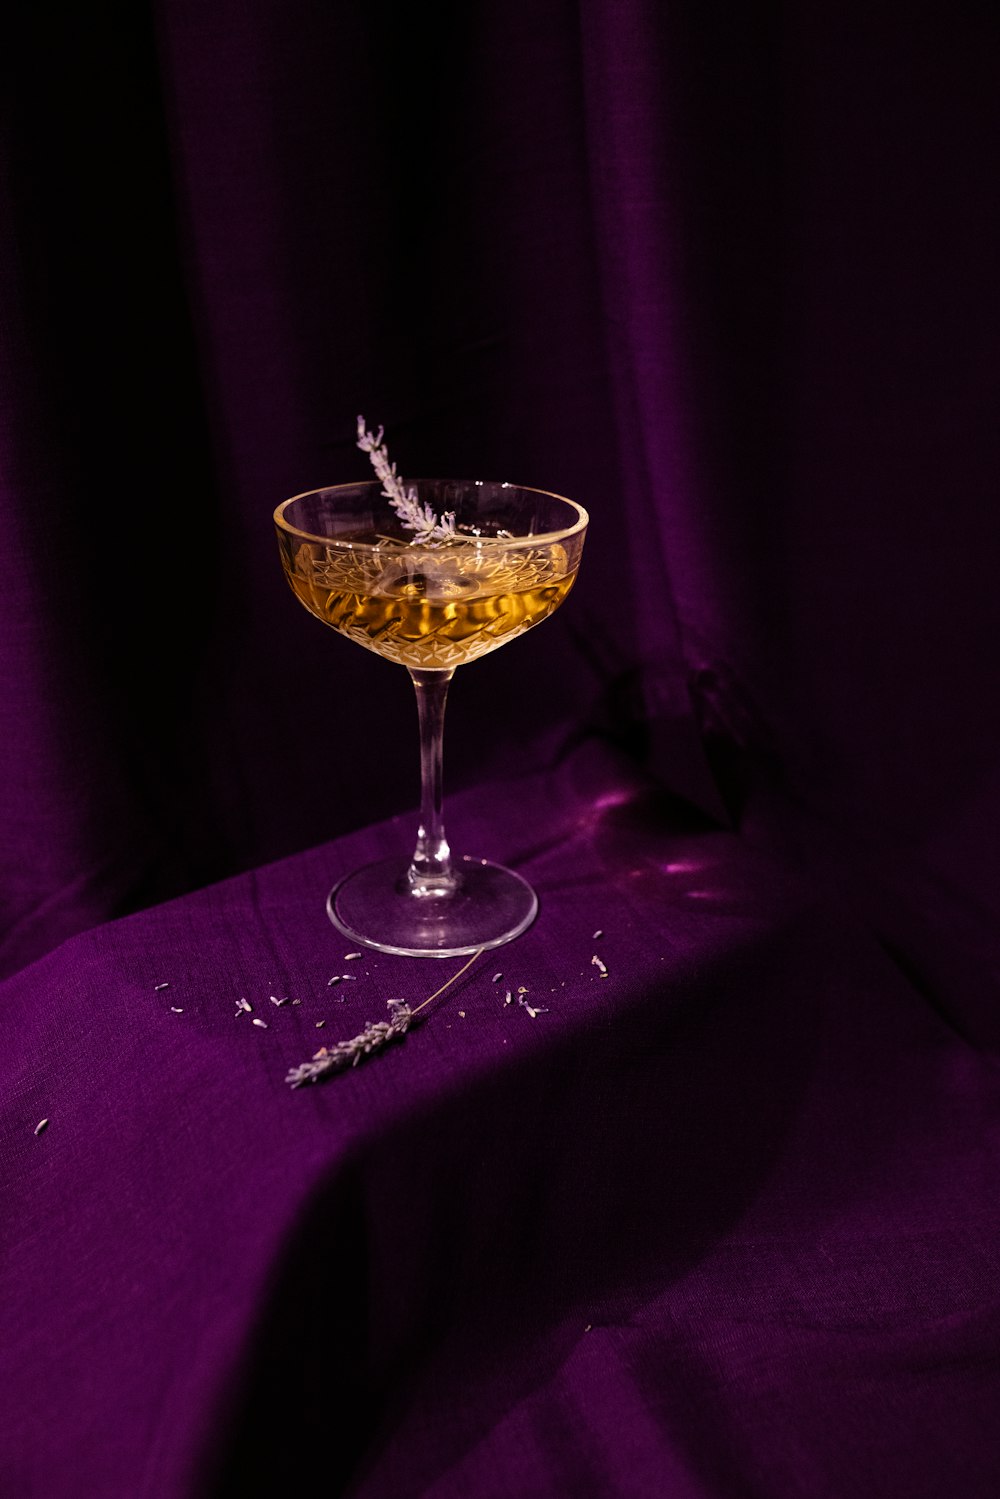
(728,276)
(729,281)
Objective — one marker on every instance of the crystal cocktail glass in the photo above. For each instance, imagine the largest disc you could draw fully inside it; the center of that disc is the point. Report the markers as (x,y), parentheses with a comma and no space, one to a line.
(431,607)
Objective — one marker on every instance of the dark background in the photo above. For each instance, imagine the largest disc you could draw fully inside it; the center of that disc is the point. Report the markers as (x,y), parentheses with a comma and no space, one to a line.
(727,275)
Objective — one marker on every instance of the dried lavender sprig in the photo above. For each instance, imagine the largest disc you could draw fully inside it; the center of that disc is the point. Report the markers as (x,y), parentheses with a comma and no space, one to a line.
(373,1038)
(413,515)
(349,1053)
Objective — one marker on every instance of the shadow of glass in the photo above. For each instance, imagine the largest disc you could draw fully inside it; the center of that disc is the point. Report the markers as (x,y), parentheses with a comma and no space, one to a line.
(658,850)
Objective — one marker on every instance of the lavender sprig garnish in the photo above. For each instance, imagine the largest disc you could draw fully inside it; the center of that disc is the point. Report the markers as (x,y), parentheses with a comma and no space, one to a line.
(375,1037)
(412,514)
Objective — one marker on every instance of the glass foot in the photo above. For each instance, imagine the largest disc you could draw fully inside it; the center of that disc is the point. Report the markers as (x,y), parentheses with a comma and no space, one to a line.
(375,906)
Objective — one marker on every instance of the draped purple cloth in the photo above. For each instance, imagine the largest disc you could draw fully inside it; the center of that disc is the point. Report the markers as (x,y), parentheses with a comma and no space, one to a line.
(722,1222)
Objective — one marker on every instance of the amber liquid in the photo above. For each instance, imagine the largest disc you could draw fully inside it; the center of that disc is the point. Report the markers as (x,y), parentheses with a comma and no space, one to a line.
(431,609)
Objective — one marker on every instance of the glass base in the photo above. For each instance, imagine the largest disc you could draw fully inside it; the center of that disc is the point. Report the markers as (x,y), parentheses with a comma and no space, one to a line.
(375,906)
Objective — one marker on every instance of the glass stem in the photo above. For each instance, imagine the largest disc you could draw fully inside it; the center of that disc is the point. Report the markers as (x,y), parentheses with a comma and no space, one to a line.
(430,871)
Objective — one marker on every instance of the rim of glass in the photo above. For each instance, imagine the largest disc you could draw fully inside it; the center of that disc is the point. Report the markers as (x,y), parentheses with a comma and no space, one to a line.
(539,538)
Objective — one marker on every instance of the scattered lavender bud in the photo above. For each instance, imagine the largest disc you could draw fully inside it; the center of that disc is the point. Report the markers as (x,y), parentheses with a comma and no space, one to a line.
(496,978)
(175,1011)
(158,987)
(261,1023)
(41,1126)
(349,957)
(601,967)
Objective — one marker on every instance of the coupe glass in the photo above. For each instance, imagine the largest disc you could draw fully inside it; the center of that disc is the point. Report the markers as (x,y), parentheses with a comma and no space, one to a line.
(431,607)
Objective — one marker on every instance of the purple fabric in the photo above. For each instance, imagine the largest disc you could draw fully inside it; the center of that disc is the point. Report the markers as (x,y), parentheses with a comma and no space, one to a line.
(728,282)
(723,1223)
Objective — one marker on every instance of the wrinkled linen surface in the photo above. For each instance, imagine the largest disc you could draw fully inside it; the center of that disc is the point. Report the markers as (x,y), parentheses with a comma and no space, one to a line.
(723,1222)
